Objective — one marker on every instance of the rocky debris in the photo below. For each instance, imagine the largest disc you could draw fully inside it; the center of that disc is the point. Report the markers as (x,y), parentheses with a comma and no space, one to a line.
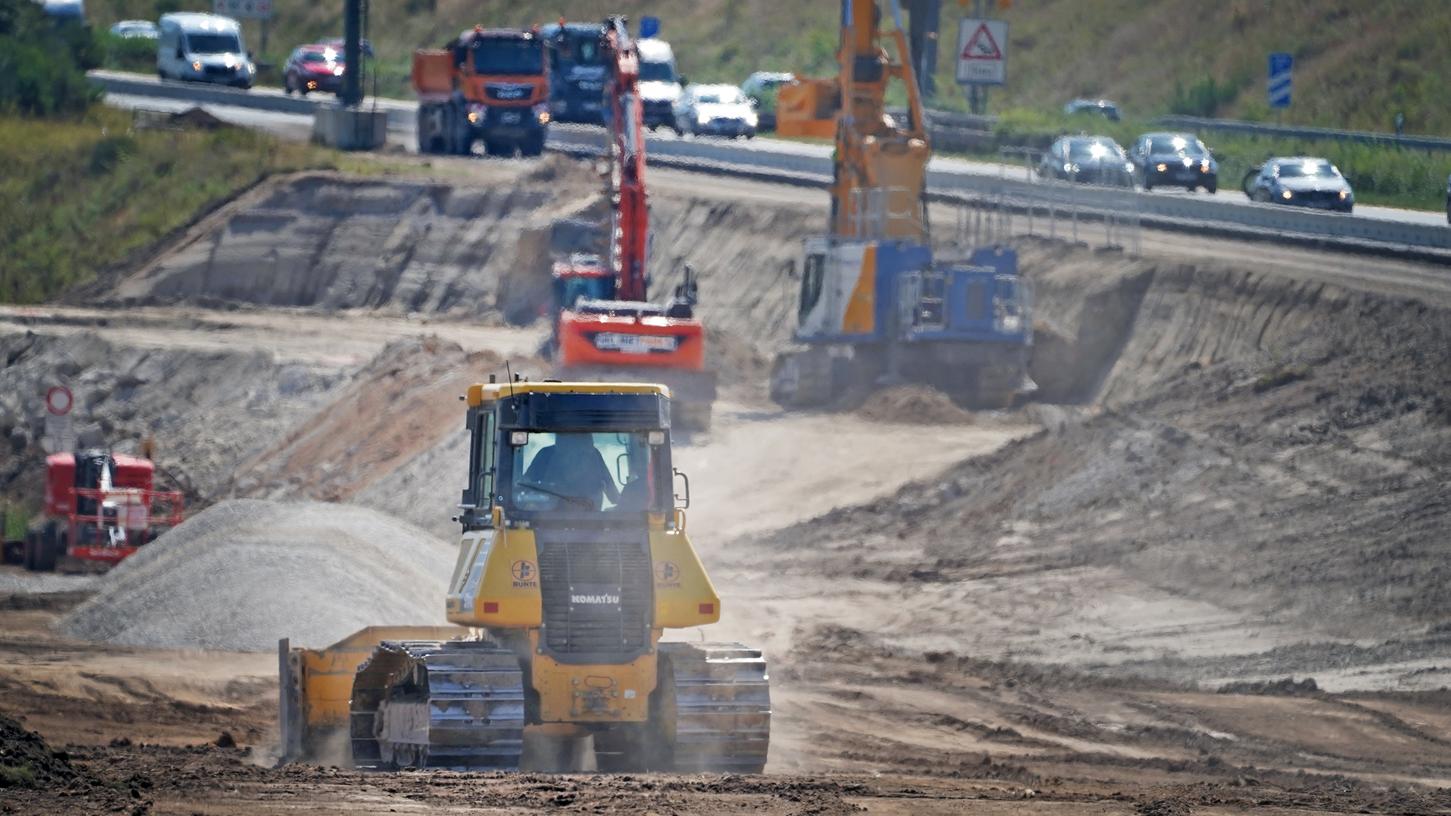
(205,410)
(1285,687)
(244,573)
(26,761)
(1163,807)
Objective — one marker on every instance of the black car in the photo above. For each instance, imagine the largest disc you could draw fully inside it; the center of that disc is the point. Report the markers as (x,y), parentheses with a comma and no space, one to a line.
(1301,181)
(1087,159)
(1102,107)
(1174,160)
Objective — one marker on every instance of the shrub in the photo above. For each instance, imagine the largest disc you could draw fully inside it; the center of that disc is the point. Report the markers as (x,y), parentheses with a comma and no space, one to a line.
(43,62)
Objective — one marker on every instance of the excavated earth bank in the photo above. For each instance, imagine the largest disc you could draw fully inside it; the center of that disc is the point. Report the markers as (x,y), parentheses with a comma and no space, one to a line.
(1254,485)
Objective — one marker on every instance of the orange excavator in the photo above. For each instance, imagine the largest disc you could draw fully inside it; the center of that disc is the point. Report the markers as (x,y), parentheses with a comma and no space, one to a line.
(605,328)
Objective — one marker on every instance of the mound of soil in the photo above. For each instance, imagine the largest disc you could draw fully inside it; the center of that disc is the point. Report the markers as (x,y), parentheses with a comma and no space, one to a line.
(402,404)
(913,405)
(245,573)
(26,761)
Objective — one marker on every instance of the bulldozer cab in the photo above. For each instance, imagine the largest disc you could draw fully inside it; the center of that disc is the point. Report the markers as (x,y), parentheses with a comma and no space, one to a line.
(551,451)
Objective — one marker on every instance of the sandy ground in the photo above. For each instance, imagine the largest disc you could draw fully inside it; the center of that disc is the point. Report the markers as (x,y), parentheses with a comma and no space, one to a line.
(1083,607)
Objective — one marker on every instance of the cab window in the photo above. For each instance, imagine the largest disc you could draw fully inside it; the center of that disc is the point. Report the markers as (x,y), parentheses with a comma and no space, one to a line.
(485,453)
(812,276)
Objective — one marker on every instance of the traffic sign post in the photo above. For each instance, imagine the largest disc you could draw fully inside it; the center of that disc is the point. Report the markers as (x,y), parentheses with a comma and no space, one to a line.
(59,433)
(1280,84)
(982,52)
(260,10)
(982,58)
(244,9)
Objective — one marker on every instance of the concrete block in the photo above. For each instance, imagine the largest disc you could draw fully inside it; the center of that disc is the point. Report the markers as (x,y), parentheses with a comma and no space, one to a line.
(349,128)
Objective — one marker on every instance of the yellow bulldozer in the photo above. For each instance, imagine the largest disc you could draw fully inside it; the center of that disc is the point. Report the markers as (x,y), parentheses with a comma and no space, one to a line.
(573,561)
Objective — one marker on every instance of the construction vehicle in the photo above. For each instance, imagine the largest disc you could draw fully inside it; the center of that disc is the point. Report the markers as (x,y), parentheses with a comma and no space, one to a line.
(573,561)
(604,326)
(876,306)
(578,71)
(489,86)
(807,107)
(99,508)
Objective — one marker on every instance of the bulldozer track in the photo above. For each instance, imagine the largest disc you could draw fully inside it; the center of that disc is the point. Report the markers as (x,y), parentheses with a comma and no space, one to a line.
(438,704)
(722,707)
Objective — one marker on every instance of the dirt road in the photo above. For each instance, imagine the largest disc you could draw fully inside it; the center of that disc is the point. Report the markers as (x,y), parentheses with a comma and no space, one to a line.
(1205,576)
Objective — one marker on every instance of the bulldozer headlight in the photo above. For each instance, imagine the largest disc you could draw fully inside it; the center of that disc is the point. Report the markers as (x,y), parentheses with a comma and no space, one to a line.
(655,438)
(518,438)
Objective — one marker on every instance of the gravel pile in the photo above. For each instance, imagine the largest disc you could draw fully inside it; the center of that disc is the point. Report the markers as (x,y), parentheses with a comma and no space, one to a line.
(246,572)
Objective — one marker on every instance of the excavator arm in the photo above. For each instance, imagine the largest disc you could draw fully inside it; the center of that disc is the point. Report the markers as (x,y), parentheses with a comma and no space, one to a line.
(631,218)
(881,169)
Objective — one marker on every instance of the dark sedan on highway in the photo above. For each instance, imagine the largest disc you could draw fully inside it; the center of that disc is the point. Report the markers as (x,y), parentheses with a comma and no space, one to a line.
(313,68)
(1087,159)
(1174,160)
(1301,181)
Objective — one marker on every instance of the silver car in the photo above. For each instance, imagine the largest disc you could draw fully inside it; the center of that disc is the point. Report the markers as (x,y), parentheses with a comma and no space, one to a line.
(715,110)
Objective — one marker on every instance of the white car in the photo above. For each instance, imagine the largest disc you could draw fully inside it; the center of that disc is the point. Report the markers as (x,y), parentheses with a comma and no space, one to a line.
(762,81)
(135,30)
(203,48)
(659,82)
(715,110)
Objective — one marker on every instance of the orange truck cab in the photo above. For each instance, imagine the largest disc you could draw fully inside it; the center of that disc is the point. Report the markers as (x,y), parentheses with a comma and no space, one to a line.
(489,86)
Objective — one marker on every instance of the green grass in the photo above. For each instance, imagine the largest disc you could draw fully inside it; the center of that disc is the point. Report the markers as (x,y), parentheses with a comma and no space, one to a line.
(79,195)
(17,776)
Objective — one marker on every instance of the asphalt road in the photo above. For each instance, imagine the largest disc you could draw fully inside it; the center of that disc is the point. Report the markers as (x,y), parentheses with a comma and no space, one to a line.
(401,133)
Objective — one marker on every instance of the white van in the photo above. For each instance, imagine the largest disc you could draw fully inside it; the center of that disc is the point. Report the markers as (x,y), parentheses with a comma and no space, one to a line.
(203,48)
(659,81)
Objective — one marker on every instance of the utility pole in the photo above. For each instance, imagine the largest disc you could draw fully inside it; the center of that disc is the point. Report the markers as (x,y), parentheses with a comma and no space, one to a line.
(352,53)
(922,40)
(977,94)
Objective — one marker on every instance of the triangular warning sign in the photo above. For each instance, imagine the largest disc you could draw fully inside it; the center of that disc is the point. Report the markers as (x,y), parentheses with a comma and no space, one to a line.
(982,46)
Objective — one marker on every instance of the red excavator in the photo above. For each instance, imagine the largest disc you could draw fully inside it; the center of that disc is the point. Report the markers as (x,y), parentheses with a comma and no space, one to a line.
(605,328)
(99,508)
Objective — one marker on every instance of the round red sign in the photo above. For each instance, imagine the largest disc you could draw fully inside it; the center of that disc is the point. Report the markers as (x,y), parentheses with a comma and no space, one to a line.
(58,400)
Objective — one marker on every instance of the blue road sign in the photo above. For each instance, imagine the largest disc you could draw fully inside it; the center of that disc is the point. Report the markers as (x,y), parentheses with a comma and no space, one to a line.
(1279,84)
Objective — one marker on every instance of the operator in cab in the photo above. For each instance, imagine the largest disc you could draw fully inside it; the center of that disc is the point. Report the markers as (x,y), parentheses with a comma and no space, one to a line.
(572,468)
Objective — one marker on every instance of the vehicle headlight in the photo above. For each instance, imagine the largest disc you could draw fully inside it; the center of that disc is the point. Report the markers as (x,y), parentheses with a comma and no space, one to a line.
(1204,166)
(338,71)
(1128,167)
(702,119)
(541,112)
(1287,195)
(1067,168)
(197,65)
(1344,194)
(1161,167)
(1188,161)
(751,118)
